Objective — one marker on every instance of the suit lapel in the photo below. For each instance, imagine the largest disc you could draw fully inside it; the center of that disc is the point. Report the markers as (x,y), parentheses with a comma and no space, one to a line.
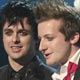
(77,73)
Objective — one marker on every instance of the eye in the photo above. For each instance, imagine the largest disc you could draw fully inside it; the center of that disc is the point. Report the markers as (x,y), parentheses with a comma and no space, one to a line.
(49,38)
(24,32)
(8,32)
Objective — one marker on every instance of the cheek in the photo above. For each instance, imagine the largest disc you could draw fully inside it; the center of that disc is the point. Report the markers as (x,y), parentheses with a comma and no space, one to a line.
(58,46)
(27,42)
(54,44)
(6,41)
(6,44)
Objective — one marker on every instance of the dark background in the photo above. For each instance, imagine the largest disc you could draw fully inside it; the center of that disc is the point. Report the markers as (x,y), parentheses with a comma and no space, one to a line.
(3,55)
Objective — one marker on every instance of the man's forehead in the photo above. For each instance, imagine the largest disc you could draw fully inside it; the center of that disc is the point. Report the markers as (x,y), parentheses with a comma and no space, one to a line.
(16,21)
(20,25)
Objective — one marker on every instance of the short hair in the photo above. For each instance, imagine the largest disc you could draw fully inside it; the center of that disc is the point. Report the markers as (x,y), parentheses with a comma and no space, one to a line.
(71,20)
(15,12)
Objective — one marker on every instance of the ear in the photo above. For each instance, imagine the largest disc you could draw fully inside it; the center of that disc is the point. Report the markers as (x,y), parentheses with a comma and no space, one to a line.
(75,38)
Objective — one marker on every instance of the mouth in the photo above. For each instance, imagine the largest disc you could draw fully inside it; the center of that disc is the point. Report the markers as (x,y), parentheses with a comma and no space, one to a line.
(16,49)
(47,56)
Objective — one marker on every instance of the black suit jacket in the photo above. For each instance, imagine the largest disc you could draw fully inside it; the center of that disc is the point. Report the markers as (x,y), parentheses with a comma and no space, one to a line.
(38,72)
(77,73)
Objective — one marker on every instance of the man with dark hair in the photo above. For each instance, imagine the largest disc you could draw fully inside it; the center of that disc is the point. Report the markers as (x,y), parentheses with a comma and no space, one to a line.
(59,38)
(19,35)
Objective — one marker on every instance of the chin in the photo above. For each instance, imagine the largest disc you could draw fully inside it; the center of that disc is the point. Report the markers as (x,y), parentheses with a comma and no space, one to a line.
(16,57)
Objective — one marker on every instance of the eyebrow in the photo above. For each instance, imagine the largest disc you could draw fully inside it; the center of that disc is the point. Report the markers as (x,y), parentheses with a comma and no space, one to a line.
(29,31)
(46,35)
(6,29)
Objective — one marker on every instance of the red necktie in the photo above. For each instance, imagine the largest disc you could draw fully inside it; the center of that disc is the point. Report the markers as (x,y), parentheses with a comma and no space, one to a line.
(71,68)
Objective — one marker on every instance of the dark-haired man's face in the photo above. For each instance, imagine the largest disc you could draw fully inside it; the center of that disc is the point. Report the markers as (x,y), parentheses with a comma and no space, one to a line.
(18,41)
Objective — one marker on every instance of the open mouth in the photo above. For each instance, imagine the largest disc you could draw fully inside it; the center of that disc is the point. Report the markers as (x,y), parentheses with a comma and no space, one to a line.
(47,56)
(16,48)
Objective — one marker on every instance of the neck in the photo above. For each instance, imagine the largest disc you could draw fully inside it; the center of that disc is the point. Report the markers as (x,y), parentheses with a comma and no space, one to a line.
(73,51)
(16,66)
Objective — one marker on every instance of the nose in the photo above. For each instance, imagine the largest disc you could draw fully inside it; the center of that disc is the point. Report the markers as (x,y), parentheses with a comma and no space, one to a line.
(42,46)
(16,38)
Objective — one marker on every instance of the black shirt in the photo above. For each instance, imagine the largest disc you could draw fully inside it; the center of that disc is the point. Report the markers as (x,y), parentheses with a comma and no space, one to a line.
(27,72)
(32,71)
(21,74)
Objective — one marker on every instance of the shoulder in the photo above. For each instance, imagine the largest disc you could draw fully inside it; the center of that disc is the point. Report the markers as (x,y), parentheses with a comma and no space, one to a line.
(44,67)
(45,70)
(3,69)
(41,70)
(3,72)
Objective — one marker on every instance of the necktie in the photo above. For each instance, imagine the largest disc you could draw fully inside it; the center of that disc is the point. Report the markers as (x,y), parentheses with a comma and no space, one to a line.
(71,68)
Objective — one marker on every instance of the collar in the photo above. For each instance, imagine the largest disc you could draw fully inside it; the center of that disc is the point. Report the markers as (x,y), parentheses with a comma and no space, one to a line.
(27,70)
(74,59)
(63,69)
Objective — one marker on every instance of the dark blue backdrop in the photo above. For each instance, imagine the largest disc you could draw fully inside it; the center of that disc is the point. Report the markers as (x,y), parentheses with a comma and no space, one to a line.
(70,2)
(2,2)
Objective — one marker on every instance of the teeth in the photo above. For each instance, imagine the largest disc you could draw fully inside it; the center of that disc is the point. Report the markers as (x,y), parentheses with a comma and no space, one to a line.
(16,48)
(45,55)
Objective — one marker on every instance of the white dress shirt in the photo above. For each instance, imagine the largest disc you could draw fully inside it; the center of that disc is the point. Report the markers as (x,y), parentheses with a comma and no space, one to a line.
(59,75)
